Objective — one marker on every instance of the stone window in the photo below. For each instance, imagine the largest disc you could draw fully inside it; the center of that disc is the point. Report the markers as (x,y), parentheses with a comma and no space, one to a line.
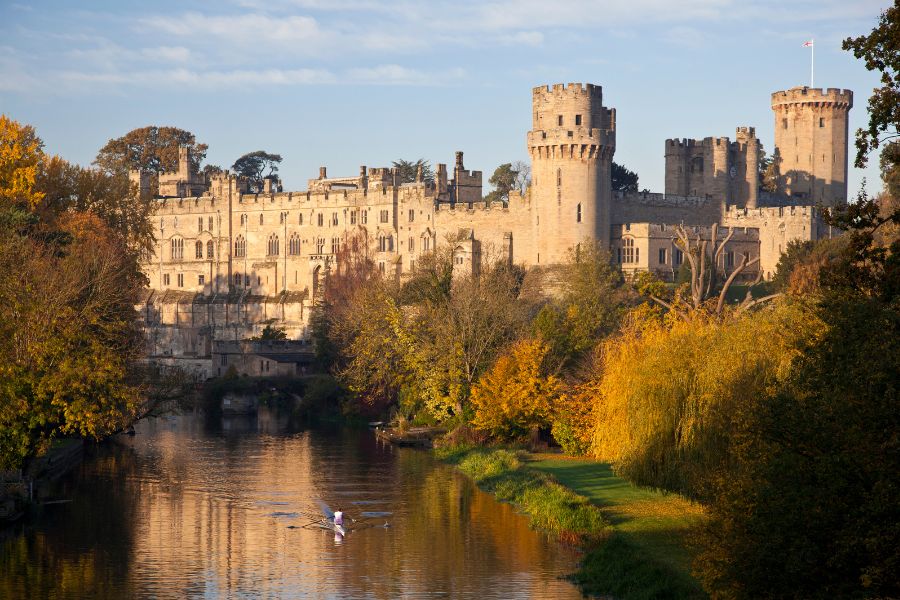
(246,281)
(198,249)
(260,218)
(321,219)
(334,219)
(662,256)
(784,123)
(201,279)
(628,254)
(578,214)
(335,245)
(559,120)
(412,215)
(243,219)
(166,279)
(697,164)
(272,248)
(729,259)
(821,122)
(353,217)
(209,221)
(677,257)
(558,177)
(294,245)
(199,224)
(238,279)
(577,120)
(426,243)
(381,267)
(384,216)
(364,215)
(240,247)
(281,219)
(385,243)
(177,248)
(181,280)
(300,222)
(627,226)
(412,244)
(210,250)
(224,359)
(320,246)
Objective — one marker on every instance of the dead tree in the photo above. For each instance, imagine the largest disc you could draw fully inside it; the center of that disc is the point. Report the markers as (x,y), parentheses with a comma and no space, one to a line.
(704,274)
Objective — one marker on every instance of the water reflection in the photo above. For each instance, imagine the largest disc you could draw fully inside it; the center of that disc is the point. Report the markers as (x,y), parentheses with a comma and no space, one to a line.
(185,510)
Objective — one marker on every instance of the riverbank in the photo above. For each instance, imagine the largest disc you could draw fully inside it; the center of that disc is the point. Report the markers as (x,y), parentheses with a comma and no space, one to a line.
(635,539)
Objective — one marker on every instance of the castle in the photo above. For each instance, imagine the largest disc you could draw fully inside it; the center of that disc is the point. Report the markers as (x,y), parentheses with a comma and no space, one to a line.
(227,262)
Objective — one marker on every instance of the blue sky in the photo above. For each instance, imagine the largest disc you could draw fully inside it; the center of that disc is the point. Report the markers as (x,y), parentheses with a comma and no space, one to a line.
(349,82)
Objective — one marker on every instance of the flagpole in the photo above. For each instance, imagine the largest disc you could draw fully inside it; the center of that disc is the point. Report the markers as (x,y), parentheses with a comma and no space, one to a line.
(812,64)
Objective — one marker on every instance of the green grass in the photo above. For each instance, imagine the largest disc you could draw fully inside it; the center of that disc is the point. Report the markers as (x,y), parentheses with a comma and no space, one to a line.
(650,532)
(635,537)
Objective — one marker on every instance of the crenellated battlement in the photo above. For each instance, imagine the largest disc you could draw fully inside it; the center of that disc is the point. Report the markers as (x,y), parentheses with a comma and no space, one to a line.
(558,90)
(818,96)
(656,199)
(707,142)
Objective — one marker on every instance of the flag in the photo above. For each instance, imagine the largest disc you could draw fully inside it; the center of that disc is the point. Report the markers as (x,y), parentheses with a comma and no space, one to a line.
(808,44)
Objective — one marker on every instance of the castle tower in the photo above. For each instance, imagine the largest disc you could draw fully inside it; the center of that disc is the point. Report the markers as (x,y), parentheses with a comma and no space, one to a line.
(811,143)
(745,168)
(571,145)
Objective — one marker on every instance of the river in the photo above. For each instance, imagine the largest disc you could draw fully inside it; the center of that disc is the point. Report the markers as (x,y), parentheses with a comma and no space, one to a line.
(187,509)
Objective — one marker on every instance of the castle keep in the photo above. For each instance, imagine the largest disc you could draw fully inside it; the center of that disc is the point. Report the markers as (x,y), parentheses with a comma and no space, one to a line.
(228,262)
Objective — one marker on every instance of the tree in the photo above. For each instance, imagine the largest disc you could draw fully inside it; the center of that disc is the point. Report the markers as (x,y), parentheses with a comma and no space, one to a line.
(881,52)
(704,283)
(767,171)
(210,170)
(623,180)
(270,333)
(152,148)
(407,170)
(523,176)
(20,157)
(504,180)
(517,394)
(253,166)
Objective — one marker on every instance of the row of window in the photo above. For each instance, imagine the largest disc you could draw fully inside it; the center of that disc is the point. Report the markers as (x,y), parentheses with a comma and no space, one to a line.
(179,279)
(629,254)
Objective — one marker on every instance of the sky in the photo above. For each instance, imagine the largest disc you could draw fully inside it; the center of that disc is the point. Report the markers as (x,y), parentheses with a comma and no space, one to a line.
(344,83)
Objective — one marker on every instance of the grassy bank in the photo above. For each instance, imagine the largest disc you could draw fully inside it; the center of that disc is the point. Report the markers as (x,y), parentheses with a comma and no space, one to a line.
(634,537)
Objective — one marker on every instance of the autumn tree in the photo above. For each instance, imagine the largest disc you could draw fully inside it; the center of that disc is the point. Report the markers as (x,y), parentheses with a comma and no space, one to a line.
(517,394)
(256,167)
(20,158)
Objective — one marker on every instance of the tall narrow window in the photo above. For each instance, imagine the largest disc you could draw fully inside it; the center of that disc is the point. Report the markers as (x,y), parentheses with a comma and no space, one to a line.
(320,246)
(201,279)
(281,219)
(294,245)
(300,219)
(199,224)
(198,249)
(209,221)
(558,177)
(559,120)
(662,256)
(353,217)
(729,259)
(578,214)
(272,246)
(334,219)
(364,216)
(181,280)
(260,218)
(166,279)
(335,245)
(821,122)
(240,247)
(412,215)
(677,258)
(238,279)
(177,248)
(577,120)
(412,244)
(321,219)
(210,250)
(628,255)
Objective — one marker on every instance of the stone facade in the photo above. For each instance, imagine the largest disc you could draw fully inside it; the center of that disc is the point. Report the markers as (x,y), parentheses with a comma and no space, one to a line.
(229,262)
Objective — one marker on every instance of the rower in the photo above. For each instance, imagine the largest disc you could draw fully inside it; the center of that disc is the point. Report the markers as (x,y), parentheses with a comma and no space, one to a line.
(339,517)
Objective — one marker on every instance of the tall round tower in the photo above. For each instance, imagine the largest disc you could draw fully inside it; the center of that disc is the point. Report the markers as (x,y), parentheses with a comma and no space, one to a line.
(571,144)
(811,128)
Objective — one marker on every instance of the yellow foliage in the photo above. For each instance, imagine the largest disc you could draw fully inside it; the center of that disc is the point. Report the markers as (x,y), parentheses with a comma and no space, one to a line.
(20,157)
(516,394)
(668,394)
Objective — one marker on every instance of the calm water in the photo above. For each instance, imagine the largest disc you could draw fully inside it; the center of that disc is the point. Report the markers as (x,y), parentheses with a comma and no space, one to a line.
(188,510)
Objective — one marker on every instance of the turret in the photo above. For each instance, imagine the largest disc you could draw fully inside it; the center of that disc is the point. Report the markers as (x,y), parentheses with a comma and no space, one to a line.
(811,133)
(571,146)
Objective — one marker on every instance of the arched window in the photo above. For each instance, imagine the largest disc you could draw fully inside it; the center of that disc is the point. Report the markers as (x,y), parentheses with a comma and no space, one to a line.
(260,218)
(281,219)
(210,250)
(240,247)
(198,250)
(294,245)
(320,245)
(243,219)
(301,219)
(272,246)
(177,248)
(628,254)
(578,214)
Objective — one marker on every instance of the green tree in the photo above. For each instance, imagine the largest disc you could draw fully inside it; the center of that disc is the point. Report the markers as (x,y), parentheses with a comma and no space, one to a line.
(623,180)
(881,52)
(257,166)
(504,180)
(152,148)
(767,171)
(407,170)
